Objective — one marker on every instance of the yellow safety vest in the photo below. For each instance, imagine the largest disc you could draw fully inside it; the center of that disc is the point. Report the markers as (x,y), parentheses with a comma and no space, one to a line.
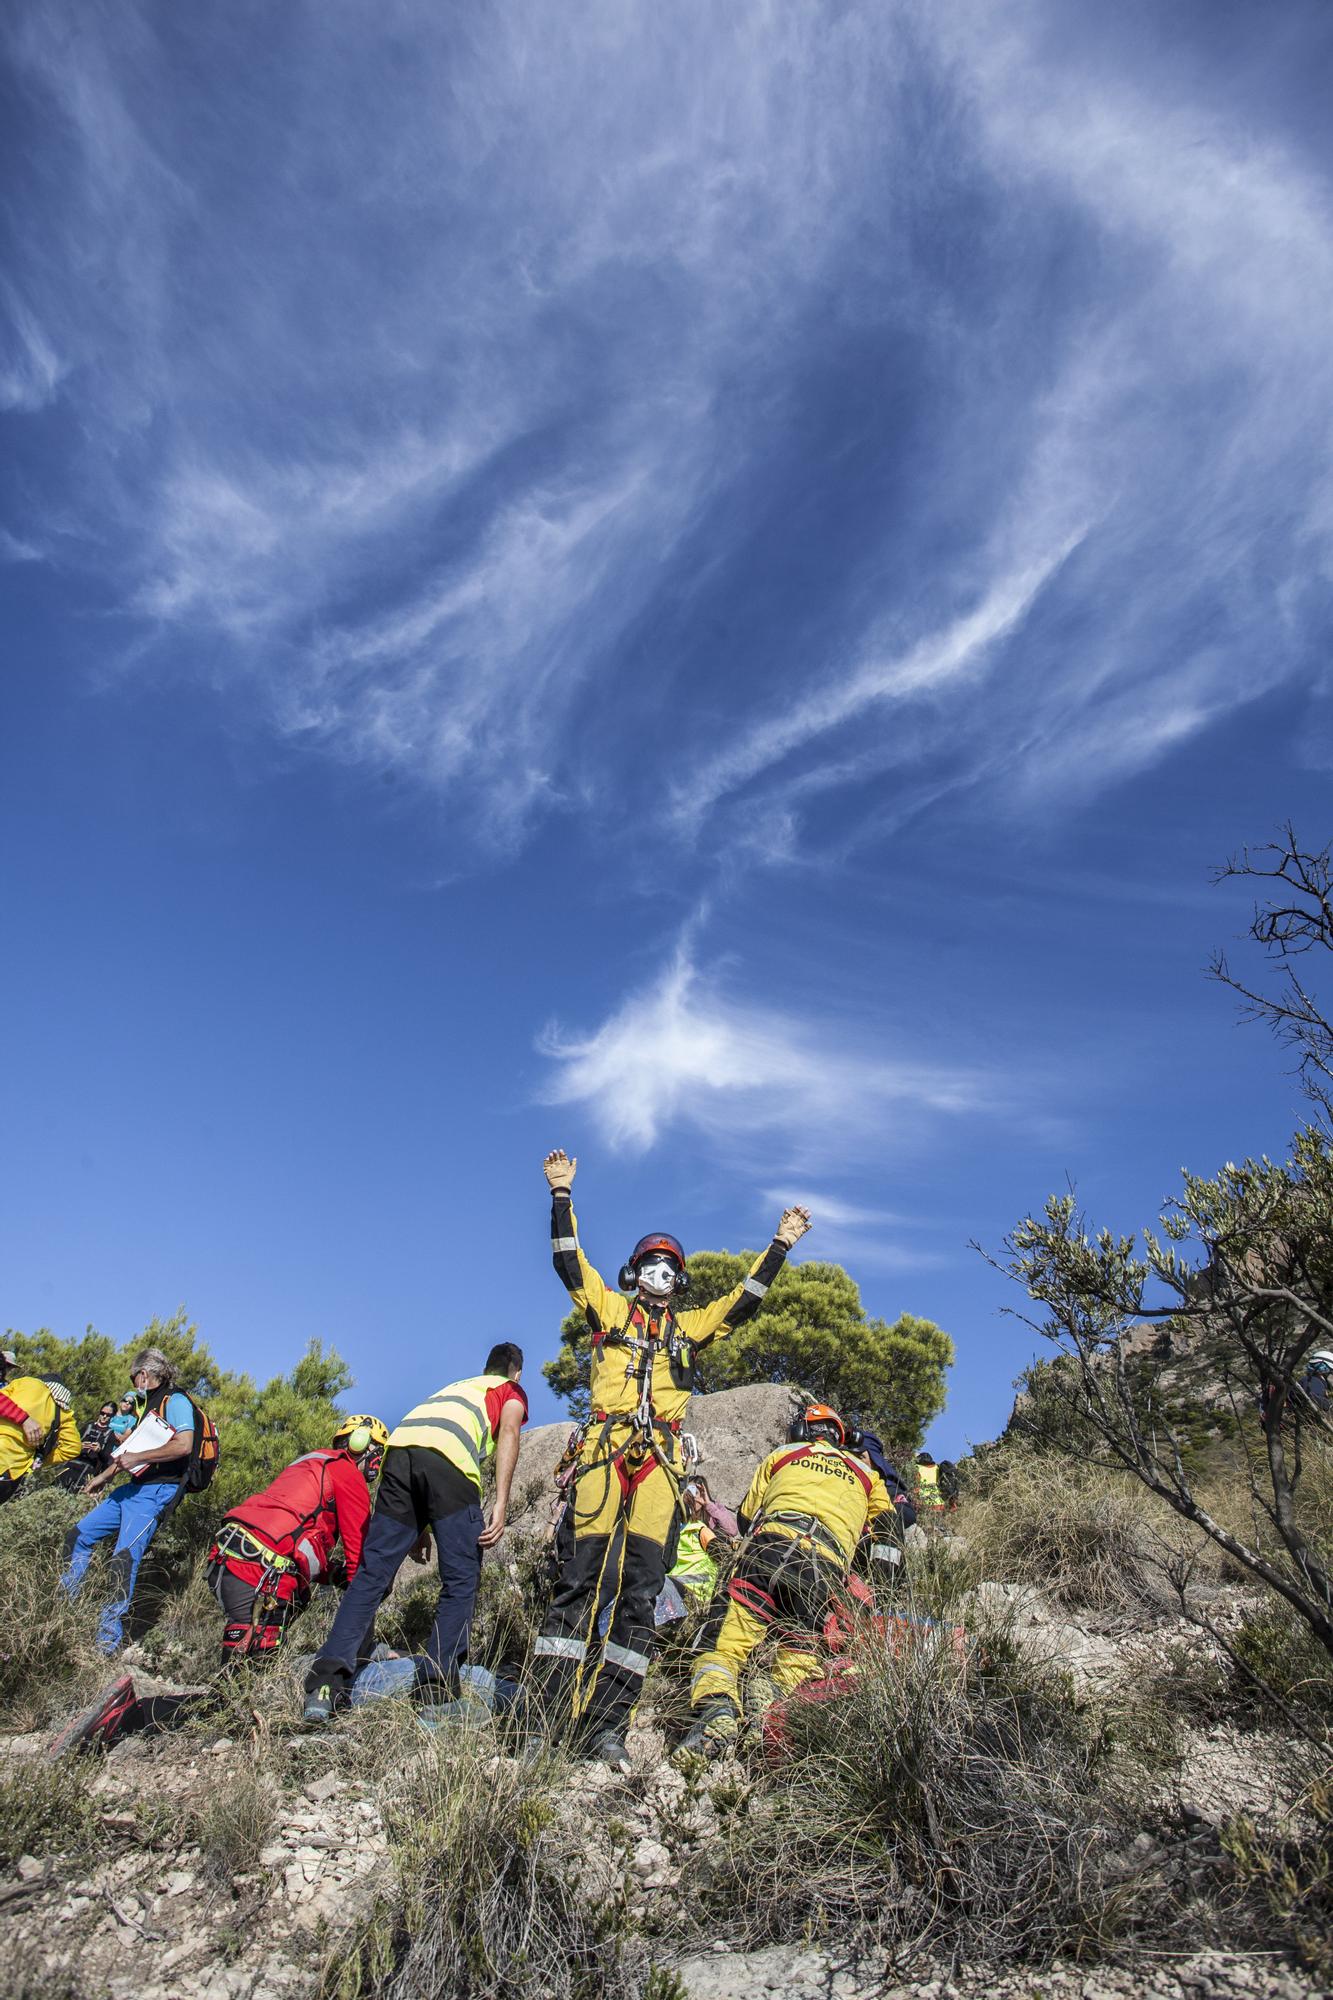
(694,1567)
(454,1422)
(928,1486)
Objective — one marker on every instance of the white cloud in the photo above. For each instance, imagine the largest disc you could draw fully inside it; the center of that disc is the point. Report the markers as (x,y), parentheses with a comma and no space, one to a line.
(416,384)
(846,1231)
(832,1208)
(682,1053)
(14,549)
(927,667)
(31,370)
(422,490)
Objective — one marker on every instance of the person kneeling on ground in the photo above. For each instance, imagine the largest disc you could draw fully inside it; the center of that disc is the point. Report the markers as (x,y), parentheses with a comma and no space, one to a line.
(36,1428)
(270,1553)
(432,1482)
(95,1447)
(805,1512)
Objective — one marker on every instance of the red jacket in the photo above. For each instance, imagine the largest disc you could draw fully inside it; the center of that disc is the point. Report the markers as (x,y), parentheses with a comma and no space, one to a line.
(309,1505)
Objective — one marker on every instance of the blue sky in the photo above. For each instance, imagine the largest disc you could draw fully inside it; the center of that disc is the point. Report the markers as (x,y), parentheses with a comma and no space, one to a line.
(707,586)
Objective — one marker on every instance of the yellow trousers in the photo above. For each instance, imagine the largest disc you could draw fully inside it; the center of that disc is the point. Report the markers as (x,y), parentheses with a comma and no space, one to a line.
(720,1672)
(782,1589)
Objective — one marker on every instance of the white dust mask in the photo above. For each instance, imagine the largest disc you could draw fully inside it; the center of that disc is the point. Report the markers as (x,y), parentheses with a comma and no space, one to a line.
(656,1276)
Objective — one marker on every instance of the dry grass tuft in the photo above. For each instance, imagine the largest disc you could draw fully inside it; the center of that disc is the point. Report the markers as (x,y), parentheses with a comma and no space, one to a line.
(496,1899)
(1081,1535)
(933,1808)
(49,1663)
(236,1823)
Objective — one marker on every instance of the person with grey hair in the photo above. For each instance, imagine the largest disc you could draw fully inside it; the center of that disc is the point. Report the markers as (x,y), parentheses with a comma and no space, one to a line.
(133,1511)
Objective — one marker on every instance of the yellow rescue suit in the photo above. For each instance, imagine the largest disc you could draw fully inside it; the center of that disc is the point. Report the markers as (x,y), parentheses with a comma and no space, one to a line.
(30,1394)
(809,1505)
(625,1509)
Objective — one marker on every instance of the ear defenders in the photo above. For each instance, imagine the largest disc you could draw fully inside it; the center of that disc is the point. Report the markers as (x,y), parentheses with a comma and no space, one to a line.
(358,1440)
(817,1420)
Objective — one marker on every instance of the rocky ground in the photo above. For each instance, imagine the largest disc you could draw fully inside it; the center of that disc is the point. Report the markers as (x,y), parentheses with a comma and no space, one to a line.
(801,1974)
(168,1923)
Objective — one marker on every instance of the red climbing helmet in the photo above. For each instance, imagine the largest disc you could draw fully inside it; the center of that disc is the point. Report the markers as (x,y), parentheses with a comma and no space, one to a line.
(654,1246)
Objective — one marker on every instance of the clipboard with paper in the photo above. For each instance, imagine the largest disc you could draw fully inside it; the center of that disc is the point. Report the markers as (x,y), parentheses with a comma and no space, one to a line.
(147,1435)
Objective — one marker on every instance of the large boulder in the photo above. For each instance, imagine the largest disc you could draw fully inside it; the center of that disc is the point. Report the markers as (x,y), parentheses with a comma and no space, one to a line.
(734,1429)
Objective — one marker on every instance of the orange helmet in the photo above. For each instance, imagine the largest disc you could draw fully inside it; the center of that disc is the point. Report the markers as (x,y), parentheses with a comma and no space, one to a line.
(817,1420)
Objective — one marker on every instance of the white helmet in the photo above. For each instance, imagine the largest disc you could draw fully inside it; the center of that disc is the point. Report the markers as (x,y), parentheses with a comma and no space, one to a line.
(1322,1358)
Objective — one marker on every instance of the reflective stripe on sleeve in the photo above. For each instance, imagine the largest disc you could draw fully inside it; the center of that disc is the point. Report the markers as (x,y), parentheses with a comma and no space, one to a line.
(624,1656)
(753,1286)
(554,1647)
(564,1242)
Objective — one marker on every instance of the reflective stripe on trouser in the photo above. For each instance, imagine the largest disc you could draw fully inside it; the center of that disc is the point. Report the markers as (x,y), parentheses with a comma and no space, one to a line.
(625,1529)
(781,1590)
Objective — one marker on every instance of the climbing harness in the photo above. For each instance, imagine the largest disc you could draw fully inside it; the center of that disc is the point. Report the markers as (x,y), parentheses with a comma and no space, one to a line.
(807,1529)
(236,1541)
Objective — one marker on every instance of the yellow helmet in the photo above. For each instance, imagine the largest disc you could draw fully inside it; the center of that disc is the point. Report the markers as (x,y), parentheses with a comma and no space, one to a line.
(360,1435)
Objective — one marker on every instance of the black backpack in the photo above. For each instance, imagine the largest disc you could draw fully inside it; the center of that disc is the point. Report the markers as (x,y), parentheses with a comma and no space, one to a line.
(205,1450)
(52,1438)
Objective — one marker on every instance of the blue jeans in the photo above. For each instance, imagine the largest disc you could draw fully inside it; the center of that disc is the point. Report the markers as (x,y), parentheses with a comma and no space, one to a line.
(131,1513)
(414,1494)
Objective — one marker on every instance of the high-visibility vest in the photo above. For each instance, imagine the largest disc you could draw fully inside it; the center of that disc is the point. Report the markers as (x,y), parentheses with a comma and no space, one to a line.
(454,1422)
(694,1567)
(928,1486)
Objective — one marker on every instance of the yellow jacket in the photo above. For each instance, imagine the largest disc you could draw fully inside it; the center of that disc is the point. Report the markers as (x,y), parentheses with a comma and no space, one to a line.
(816,1482)
(16,1454)
(663,1342)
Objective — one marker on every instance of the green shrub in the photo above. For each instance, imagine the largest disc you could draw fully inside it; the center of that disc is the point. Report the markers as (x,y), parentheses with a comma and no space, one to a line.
(1283,1653)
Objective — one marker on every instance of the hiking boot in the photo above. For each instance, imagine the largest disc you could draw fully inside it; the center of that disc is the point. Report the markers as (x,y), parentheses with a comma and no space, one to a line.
(98,1727)
(609,1748)
(318,1704)
(715,1730)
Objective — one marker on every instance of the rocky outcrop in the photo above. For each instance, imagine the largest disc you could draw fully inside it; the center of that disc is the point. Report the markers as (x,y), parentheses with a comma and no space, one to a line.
(734,1429)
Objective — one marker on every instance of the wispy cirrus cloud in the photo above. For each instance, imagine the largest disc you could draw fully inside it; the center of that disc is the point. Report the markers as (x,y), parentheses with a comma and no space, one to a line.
(683,1054)
(929,667)
(865,1238)
(951,395)
(417,436)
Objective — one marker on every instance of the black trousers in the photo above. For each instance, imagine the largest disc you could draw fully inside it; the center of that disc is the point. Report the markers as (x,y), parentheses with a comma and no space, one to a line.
(419,1489)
